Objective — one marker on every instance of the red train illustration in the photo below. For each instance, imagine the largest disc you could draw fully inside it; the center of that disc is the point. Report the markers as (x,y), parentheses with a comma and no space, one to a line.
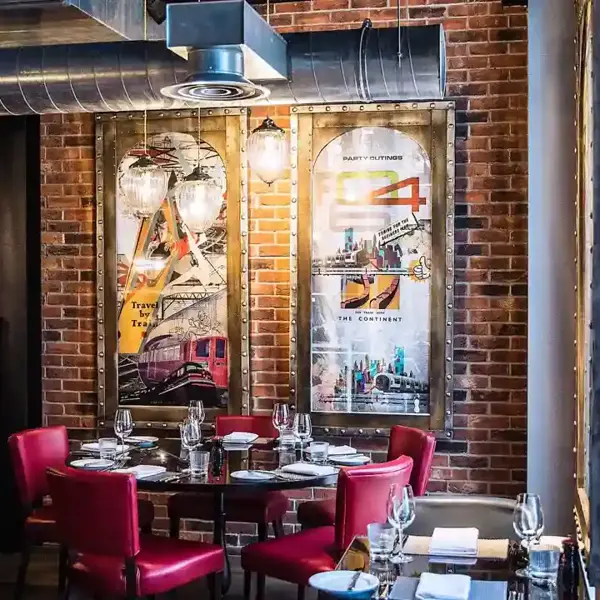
(163,357)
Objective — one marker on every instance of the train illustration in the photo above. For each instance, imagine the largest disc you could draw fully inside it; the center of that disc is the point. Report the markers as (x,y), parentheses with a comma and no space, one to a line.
(350,258)
(176,372)
(389,382)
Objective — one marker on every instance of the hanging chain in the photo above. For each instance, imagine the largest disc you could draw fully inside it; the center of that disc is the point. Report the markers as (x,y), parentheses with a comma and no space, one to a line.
(145,36)
(268,12)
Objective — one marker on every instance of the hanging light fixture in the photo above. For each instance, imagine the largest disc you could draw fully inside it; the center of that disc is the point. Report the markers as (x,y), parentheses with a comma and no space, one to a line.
(144,186)
(199,200)
(268,151)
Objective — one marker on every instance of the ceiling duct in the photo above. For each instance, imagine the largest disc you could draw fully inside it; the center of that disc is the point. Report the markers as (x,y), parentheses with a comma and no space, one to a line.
(228,44)
(360,65)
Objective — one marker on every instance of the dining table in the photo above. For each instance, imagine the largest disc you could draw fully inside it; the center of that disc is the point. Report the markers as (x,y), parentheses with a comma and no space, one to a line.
(399,581)
(262,455)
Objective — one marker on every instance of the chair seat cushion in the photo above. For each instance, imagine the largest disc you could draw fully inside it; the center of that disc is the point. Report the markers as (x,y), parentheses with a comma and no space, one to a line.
(294,558)
(317,513)
(145,513)
(251,508)
(40,525)
(163,564)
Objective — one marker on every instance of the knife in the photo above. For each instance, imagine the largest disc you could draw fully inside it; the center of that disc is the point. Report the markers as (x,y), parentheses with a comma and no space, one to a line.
(353,581)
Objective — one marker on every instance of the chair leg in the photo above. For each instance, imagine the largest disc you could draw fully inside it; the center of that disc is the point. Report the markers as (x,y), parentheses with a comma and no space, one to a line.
(174,523)
(247,584)
(262,532)
(22,574)
(278,528)
(214,586)
(260,586)
(67,591)
(63,561)
(301,590)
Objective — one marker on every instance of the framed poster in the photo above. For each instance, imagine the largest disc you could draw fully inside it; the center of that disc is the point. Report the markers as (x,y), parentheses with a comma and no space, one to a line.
(169,322)
(375,264)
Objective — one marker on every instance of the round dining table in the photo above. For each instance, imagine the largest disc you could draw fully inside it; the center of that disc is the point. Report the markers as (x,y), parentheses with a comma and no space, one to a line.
(262,455)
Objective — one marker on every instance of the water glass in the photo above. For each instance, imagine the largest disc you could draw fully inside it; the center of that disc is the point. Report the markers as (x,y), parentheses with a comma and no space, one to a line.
(319,452)
(382,537)
(287,439)
(196,411)
(544,560)
(199,460)
(108,448)
(123,424)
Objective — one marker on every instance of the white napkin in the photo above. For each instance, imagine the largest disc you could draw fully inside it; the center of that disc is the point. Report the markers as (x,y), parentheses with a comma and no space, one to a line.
(239,437)
(309,469)
(143,471)
(448,541)
(443,587)
(339,450)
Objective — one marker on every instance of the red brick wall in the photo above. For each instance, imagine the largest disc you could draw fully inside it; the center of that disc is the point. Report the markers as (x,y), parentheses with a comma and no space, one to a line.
(487,75)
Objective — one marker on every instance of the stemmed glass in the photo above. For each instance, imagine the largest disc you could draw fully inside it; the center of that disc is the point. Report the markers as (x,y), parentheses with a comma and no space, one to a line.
(400,514)
(303,430)
(196,411)
(528,522)
(123,425)
(281,417)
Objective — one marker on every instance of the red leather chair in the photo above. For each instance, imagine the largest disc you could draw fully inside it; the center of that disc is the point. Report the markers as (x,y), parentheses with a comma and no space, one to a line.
(97,520)
(261,509)
(361,498)
(404,441)
(32,452)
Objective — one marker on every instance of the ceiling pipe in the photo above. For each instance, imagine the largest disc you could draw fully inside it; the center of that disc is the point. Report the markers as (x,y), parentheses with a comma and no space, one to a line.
(331,66)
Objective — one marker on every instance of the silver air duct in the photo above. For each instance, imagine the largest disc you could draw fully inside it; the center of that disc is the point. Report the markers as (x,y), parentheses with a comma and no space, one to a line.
(322,67)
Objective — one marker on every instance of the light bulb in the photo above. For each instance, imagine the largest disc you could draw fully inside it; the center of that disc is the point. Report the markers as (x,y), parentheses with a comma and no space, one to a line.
(268,151)
(144,186)
(199,199)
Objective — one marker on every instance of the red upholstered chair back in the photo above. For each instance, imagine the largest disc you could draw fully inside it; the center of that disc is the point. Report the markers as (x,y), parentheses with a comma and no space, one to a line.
(96,513)
(260,425)
(362,494)
(32,452)
(420,446)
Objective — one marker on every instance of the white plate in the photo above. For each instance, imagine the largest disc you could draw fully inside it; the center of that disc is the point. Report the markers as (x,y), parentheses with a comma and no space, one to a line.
(240,437)
(95,447)
(253,475)
(141,439)
(349,461)
(336,583)
(92,464)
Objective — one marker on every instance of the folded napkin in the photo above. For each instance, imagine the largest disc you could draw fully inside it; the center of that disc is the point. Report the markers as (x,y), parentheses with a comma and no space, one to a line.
(448,541)
(309,469)
(239,437)
(487,549)
(443,587)
(406,587)
(143,471)
(339,450)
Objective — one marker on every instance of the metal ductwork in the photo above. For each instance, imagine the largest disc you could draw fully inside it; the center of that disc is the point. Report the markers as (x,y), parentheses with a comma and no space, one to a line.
(323,67)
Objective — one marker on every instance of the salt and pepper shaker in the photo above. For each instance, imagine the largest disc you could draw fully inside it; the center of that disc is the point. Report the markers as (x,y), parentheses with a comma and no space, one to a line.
(569,570)
(217,457)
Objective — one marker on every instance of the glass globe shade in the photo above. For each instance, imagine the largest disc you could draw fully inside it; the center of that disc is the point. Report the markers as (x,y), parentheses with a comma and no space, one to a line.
(144,185)
(268,151)
(199,199)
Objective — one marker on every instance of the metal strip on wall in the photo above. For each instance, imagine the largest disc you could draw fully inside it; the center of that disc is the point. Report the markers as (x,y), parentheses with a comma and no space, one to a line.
(294,258)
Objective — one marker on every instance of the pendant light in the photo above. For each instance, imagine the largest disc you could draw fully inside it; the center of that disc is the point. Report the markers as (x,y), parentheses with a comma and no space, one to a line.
(268,151)
(199,200)
(145,184)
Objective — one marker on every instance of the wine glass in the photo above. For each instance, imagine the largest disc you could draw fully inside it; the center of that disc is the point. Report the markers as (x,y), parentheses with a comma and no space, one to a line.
(528,522)
(123,425)
(190,434)
(401,514)
(303,430)
(196,411)
(282,418)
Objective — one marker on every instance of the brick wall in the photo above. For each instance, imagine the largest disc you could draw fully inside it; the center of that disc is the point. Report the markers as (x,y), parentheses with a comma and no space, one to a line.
(487,75)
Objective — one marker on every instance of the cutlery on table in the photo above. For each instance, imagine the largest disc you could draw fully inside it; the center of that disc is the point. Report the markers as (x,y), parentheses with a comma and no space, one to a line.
(354,581)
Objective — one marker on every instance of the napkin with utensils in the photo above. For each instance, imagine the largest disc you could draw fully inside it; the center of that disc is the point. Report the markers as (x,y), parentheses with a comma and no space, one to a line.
(143,471)
(309,469)
(433,586)
(239,437)
(454,541)
(338,450)
(406,587)
(486,549)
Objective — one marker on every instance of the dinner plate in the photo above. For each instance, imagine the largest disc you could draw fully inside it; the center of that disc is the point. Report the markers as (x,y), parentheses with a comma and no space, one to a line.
(92,464)
(336,583)
(253,475)
(142,440)
(239,438)
(95,447)
(350,460)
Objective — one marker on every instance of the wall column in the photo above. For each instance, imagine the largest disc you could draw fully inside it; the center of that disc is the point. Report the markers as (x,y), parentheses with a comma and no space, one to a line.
(552,275)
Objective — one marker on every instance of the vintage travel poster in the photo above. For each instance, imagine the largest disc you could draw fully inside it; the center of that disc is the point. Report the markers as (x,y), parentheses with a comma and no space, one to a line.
(371,274)
(172,289)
